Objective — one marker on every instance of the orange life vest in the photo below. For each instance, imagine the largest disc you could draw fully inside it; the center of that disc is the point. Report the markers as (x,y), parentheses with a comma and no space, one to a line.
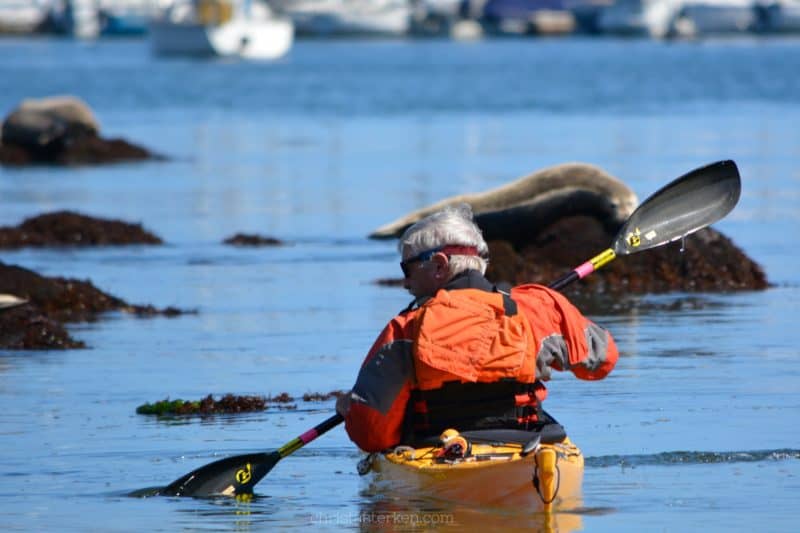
(473,336)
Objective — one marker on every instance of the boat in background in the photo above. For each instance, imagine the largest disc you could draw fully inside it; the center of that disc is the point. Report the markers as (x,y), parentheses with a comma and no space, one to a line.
(779,16)
(89,19)
(328,18)
(125,17)
(686,18)
(648,18)
(242,28)
(586,13)
(537,17)
(22,16)
(700,18)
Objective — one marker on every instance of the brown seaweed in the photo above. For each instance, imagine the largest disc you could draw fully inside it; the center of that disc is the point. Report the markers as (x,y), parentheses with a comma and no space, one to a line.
(55,300)
(74,229)
(229,404)
(78,150)
(247,239)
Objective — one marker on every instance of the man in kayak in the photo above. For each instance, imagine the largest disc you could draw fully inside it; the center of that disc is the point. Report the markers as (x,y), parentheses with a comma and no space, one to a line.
(465,354)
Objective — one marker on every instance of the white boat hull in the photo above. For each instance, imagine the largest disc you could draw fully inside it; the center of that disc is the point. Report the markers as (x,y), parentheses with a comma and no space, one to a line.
(681,18)
(348,17)
(21,16)
(239,37)
(651,18)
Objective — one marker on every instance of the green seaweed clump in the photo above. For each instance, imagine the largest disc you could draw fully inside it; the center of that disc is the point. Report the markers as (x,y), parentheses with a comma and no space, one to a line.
(208,405)
(167,407)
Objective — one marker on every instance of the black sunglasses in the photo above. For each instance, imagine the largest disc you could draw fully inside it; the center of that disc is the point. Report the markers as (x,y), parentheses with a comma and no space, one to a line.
(422,256)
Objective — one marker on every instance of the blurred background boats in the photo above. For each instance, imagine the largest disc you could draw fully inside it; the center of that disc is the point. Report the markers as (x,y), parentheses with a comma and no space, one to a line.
(89,19)
(460,19)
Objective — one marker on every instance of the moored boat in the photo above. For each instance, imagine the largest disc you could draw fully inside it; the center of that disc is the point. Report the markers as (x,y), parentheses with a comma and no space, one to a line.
(778,16)
(376,18)
(699,18)
(650,18)
(22,16)
(535,470)
(221,27)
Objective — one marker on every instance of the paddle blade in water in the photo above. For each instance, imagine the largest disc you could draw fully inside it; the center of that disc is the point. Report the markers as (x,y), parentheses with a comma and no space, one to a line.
(227,477)
(691,202)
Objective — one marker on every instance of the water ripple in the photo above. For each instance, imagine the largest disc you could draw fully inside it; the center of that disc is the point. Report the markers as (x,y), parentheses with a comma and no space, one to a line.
(689,458)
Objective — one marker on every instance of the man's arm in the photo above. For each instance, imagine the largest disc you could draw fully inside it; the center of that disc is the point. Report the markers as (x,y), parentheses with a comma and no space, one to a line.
(375,407)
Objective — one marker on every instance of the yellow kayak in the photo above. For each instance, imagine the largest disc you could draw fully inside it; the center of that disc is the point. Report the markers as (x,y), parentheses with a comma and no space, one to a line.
(485,467)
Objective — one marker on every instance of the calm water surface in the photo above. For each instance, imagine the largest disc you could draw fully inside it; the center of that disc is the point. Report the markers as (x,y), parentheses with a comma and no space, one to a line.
(698,427)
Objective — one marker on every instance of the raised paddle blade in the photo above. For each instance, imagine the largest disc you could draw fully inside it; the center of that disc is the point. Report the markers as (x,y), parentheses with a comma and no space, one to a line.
(227,477)
(691,202)
(684,206)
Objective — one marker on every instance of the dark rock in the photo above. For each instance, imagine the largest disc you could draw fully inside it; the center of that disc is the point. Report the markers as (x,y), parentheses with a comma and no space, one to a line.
(69,228)
(55,300)
(84,150)
(26,328)
(709,262)
(65,300)
(245,239)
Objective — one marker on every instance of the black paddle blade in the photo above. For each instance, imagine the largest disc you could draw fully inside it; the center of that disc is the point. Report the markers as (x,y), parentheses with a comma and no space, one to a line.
(691,202)
(231,476)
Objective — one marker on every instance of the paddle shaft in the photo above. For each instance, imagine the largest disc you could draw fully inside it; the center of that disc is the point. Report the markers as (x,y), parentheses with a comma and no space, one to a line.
(300,441)
(580,272)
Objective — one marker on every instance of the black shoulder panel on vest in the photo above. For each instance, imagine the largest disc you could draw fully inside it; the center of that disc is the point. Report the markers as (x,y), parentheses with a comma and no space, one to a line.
(509,305)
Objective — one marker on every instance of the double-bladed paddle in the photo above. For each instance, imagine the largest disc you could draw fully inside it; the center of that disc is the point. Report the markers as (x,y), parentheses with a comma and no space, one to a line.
(691,202)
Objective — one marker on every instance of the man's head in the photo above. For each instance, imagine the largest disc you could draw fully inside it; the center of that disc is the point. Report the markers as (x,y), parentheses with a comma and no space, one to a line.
(439,247)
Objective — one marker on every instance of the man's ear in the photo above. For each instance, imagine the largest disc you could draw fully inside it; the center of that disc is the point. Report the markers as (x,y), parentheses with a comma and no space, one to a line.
(442,264)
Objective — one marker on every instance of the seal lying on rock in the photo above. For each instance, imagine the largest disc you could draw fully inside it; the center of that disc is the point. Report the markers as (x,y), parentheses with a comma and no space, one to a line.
(38,123)
(535,200)
(541,226)
(61,130)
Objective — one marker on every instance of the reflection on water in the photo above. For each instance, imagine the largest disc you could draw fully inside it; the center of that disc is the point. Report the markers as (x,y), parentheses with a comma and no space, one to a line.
(383,512)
